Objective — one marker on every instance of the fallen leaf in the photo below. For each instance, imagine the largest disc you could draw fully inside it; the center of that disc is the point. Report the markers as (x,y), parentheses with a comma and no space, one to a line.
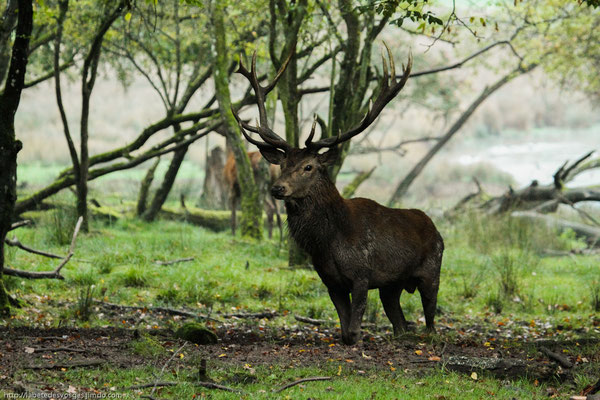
(434,358)
(474,376)
(418,352)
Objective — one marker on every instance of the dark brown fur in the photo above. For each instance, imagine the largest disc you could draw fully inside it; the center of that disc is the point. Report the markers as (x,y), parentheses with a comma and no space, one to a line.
(358,244)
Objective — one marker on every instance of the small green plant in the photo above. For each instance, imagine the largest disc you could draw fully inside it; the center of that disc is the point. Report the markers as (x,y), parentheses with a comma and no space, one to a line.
(105,265)
(83,277)
(85,301)
(495,302)
(59,224)
(169,295)
(595,295)
(506,265)
(147,346)
(134,277)
(264,291)
(373,308)
(470,285)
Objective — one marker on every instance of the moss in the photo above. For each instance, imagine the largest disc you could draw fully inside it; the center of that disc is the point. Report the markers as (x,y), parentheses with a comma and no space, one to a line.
(196,333)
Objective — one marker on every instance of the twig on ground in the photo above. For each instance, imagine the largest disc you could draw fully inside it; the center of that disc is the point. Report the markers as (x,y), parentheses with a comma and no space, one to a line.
(48,274)
(166,310)
(266,314)
(210,385)
(179,260)
(563,361)
(57,349)
(299,381)
(165,366)
(312,321)
(152,385)
(79,364)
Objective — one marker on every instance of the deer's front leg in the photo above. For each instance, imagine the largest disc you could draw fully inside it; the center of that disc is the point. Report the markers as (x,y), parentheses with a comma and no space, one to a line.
(341,301)
(360,291)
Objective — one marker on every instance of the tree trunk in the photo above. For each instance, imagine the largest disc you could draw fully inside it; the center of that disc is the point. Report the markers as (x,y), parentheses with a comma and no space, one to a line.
(145,188)
(403,186)
(88,79)
(165,188)
(214,190)
(9,146)
(251,202)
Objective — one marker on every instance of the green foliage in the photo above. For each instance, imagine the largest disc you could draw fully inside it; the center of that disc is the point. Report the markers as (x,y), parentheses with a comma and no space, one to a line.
(412,10)
(560,35)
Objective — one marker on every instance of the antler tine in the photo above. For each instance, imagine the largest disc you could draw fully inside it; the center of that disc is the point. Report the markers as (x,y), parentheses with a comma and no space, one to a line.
(389,89)
(243,126)
(279,73)
(385,79)
(392,65)
(312,132)
(263,129)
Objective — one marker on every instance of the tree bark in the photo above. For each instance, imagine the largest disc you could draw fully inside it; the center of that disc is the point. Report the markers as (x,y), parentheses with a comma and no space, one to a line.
(403,186)
(145,189)
(9,146)
(165,188)
(251,202)
(88,79)
(214,191)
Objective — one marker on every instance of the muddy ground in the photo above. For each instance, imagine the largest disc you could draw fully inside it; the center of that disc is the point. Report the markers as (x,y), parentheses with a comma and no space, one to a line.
(489,349)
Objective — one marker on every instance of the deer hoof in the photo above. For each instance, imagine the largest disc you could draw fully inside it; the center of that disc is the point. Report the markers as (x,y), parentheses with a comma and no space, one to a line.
(351,338)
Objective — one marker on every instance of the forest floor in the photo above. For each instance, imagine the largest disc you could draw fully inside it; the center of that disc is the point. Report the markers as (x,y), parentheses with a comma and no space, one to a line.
(512,322)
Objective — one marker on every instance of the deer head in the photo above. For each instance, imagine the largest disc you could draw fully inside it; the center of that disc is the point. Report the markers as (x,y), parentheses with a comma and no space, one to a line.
(302,169)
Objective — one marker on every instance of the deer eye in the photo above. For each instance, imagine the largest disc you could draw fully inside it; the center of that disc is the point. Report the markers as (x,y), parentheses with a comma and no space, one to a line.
(308,167)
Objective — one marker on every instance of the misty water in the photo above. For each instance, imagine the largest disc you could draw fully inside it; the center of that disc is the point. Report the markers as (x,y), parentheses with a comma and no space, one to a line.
(537,158)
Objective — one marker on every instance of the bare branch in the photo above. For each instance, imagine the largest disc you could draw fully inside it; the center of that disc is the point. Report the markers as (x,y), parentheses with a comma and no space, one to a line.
(48,274)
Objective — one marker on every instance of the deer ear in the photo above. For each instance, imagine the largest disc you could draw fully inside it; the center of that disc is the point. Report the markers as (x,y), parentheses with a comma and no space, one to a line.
(272,155)
(329,157)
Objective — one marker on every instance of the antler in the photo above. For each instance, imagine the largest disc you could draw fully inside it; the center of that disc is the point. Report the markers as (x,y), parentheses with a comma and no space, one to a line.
(271,139)
(389,89)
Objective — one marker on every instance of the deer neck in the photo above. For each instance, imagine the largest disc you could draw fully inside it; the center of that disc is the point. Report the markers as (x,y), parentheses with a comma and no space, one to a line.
(315,219)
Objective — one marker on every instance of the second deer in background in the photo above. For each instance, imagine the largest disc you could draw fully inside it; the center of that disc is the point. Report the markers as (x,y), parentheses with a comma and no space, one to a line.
(264,176)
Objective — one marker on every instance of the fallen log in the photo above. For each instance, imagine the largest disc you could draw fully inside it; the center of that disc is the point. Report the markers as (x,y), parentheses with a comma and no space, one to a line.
(217,221)
(590,233)
(501,367)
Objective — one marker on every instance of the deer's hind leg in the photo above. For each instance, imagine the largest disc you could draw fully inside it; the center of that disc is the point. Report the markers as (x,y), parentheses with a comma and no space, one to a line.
(390,298)
(428,288)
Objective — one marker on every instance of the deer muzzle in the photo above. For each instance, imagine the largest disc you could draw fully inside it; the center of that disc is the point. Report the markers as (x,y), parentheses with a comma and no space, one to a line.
(278,192)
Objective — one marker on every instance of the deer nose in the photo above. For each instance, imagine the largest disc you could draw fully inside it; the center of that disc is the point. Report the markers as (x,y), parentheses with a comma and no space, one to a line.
(278,191)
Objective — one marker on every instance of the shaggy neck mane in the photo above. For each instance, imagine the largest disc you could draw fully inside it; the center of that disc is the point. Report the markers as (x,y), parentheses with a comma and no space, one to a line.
(314,219)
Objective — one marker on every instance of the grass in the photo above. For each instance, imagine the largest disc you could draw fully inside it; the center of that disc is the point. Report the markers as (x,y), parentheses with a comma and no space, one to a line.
(487,262)
(492,274)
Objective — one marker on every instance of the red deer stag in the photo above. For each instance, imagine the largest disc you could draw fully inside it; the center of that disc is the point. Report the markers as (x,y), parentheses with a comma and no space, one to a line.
(231,180)
(356,244)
